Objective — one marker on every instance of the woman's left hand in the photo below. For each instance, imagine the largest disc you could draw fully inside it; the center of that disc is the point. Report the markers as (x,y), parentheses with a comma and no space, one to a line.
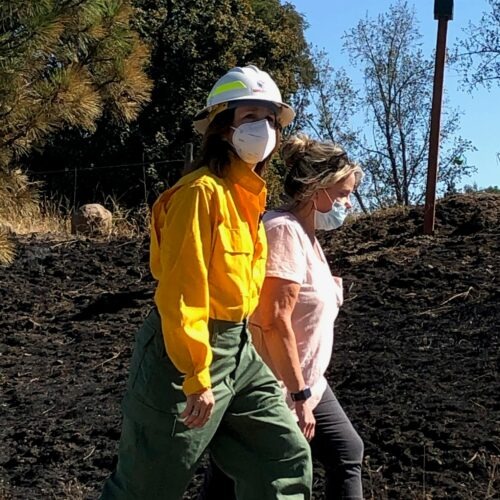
(307,422)
(198,409)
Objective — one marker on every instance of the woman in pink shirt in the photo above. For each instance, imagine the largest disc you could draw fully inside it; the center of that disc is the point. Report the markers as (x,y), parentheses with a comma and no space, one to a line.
(292,327)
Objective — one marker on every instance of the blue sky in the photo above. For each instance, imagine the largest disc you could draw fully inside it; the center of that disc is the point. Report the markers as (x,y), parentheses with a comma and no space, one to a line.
(329,19)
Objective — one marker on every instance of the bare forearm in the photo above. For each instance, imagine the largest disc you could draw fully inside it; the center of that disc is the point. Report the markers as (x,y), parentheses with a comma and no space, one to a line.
(282,348)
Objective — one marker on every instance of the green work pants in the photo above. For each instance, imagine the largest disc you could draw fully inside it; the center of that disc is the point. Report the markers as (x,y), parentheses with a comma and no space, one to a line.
(251,434)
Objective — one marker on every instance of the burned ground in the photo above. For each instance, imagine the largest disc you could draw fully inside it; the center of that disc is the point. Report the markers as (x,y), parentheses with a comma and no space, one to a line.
(415,365)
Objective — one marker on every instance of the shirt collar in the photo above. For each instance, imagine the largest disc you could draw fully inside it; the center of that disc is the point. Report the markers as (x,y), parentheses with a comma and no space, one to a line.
(247,178)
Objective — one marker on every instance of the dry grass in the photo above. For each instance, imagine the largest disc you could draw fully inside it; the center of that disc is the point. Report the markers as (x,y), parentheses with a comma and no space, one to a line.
(399,255)
(7,248)
(18,196)
(128,223)
(493,466)
(18,200)
(49,217)
(74,490)
(23,211)
(382,213)
(21,208)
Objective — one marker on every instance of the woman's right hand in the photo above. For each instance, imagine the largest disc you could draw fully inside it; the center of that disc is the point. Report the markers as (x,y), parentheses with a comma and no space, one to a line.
(307,422)
(198,409)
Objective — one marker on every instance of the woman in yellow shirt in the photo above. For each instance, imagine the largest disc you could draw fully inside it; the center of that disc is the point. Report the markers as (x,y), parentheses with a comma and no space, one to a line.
(195,380)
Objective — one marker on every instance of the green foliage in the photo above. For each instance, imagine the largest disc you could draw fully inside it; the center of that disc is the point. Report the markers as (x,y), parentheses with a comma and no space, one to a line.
(62,63)
(200,40)
(274,177)
(473,188)
(194,42)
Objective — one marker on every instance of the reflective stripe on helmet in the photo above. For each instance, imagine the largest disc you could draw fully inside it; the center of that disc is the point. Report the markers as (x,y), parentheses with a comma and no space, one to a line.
(227,87)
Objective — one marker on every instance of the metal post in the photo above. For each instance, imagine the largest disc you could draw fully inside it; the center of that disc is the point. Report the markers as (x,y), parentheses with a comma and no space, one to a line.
(437,97)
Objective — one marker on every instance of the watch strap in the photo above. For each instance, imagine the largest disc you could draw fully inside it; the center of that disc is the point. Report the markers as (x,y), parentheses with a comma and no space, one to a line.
(301,395)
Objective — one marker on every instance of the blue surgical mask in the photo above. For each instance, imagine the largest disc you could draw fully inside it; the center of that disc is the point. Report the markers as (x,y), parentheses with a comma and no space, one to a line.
(332,219)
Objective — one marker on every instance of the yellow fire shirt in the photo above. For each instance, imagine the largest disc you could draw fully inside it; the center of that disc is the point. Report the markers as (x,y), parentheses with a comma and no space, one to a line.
(208,254)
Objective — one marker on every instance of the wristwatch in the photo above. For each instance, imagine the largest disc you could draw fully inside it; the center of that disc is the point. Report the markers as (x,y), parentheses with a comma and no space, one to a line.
(301,395)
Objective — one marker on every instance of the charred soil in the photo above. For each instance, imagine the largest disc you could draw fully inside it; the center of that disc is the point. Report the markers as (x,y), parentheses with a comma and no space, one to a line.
(415,364)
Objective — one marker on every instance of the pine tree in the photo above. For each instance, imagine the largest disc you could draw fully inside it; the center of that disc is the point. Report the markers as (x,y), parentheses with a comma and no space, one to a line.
(62,64)
(193,43)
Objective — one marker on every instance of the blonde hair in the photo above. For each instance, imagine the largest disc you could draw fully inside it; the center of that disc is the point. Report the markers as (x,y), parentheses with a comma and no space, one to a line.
(312,165)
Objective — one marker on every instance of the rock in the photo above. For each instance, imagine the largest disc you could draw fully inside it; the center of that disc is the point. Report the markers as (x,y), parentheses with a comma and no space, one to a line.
(92,220)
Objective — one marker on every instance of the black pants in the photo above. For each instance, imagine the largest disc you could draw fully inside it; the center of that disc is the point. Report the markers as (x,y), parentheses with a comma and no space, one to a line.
(336,445)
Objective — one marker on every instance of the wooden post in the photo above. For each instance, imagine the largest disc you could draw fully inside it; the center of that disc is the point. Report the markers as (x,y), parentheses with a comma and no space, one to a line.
(443,11)
(74,188)
(188,155)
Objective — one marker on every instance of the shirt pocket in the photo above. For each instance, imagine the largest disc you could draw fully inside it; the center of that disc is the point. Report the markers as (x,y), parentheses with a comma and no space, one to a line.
(234,241)
(230,273)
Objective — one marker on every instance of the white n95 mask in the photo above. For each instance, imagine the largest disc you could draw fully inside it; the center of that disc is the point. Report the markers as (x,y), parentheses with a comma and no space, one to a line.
(254,141)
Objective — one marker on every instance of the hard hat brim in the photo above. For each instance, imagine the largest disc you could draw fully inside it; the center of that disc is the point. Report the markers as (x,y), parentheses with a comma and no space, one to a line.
(202,119)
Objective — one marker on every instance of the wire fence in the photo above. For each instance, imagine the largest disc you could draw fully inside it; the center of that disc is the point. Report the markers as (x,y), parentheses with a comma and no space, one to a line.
(154,179)
(81,182)
(92,166)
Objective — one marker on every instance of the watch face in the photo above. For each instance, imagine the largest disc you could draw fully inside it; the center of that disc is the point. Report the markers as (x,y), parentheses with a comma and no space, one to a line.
(301,395)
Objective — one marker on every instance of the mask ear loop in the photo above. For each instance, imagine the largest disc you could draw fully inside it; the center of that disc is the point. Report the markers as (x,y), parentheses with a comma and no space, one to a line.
(333,202)
(329,197)
(314,207)
(326,192)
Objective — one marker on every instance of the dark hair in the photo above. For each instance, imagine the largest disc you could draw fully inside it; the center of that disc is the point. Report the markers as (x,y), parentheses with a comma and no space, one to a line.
(216,151)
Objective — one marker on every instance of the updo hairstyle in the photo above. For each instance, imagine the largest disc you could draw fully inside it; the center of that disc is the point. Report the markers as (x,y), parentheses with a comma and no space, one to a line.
(313,165)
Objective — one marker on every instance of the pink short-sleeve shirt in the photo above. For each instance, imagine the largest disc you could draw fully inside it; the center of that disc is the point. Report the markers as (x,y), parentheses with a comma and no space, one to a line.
(292,256)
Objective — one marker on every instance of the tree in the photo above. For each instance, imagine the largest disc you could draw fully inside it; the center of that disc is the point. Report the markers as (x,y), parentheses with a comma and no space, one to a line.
(395,103)
(473,188)
(479,53)
(334,100)
(62,63)
(326,107)
(193,43)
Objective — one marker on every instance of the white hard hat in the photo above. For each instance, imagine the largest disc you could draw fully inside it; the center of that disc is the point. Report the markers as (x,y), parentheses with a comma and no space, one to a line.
(242,84)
